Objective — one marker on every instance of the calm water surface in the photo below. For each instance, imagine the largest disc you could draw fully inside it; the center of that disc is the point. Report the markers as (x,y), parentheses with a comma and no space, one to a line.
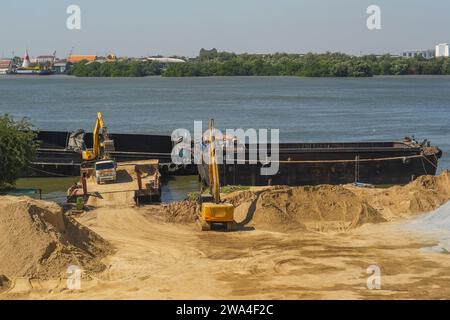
(304,109)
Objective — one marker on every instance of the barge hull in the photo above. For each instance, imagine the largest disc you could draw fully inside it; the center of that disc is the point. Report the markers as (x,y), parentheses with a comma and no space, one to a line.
(54,158)
(382,163)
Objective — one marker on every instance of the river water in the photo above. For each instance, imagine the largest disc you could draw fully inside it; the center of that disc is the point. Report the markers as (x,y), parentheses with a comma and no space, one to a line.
(303,109)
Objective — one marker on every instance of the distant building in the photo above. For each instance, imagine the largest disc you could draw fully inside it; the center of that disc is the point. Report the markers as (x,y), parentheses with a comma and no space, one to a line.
(442,50)
(78,58)
(60,67)
(427,54)
(109,58)
(165,60)
(45,59)
(6,66)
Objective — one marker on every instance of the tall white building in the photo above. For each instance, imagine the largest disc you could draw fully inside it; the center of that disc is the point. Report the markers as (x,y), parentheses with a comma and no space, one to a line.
(442,50)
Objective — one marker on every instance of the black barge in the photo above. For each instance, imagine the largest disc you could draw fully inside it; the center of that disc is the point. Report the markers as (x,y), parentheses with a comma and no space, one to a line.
(299,163)
(55,157)
(377,163)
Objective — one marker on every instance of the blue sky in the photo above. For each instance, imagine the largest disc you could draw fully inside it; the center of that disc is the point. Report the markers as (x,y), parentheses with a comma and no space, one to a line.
(182,27)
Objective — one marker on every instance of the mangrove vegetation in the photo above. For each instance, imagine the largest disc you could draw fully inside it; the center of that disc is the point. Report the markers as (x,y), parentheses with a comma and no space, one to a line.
(215,63)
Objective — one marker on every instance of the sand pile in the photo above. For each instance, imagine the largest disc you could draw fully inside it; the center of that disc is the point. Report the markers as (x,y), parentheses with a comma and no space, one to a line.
(424,194)
(180,212)
(319,208)
(38,240)
(325,207)
(338,208)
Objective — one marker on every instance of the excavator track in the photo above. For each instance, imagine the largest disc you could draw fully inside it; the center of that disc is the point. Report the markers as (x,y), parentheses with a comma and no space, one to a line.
(232,226)
(209,226)
(204,225)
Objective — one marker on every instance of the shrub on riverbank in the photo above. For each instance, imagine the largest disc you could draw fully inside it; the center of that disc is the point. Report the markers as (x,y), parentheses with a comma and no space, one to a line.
(17,148)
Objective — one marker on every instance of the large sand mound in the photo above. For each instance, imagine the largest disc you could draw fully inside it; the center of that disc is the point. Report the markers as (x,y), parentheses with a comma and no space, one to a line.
(319,208)
(38,240)
(324,207)
(338,208)
(424,194)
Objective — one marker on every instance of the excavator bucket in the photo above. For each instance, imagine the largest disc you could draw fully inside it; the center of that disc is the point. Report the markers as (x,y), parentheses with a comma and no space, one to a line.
(108,146)
(88,155)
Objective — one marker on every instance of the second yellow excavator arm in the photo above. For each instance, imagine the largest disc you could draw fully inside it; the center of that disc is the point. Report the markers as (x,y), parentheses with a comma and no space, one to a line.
(99,124)
(89,155)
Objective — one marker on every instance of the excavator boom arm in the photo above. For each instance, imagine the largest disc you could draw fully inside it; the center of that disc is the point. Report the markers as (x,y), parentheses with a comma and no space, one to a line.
(95,153)
(213,167)
(216,211)
(99,124)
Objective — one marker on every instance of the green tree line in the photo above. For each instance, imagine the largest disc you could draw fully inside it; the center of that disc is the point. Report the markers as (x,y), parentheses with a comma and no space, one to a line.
(116,69)
(215,63)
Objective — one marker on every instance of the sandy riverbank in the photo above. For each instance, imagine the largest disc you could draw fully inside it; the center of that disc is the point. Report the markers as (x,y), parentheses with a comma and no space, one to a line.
(306,242)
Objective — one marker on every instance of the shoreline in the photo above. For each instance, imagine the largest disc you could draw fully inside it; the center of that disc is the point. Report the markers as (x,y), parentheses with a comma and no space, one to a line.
(406,76)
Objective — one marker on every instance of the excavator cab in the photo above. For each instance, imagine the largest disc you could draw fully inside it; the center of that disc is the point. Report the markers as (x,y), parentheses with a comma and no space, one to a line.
(88,155)
(212,209)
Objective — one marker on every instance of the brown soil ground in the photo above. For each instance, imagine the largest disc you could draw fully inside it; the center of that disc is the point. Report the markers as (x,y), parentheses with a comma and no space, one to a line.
(38,241)
(304,243)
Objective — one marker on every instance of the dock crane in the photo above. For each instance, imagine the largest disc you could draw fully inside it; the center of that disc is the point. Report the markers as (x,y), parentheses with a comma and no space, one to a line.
(212,209)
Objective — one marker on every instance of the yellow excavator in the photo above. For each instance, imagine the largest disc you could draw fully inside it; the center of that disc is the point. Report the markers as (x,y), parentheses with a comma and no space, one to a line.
(104,166)
(100,149)
(212,209)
